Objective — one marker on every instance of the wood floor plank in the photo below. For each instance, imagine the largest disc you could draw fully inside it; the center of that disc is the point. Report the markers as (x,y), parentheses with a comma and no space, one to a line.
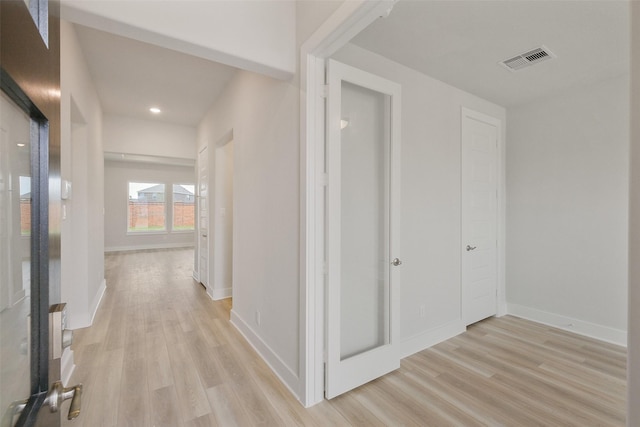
(101,400)
(226,409)
(164,407)
(157,361)
(134,406)
(354,412)
(192,398)
(200,353)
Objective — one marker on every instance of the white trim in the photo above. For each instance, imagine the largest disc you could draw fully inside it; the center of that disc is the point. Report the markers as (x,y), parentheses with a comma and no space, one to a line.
(224,293)
(566,323)
(424,340)
(148,246)
(311,234)
(277,365)
(67,366)
(93,308)
(196,276)
(348,20)
(502,219)
(85,319)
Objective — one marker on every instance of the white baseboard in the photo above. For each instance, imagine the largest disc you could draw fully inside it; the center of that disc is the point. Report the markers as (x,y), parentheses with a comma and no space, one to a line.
(85,319)
(196,276)
(288,377)
(67,366)
(592,330)
(427,339)
(224,293)
(97,299)
(145,247)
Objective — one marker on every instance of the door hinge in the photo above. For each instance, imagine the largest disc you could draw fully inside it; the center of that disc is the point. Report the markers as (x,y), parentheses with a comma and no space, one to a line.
(324,91)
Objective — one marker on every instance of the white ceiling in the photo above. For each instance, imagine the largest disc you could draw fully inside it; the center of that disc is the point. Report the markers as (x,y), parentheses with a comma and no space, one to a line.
(132,76)
(458,42)
(461,43)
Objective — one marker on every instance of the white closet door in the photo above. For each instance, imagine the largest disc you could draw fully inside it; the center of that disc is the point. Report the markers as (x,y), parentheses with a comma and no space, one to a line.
(479,216)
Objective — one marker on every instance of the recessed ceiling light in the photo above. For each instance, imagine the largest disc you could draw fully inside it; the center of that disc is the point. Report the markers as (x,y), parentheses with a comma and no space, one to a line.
(155,110)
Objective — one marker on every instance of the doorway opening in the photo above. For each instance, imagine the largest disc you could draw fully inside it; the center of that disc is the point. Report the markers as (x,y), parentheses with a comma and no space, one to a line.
(223,221)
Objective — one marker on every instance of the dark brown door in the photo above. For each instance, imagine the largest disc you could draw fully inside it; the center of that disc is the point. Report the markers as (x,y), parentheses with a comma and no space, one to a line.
(29,206)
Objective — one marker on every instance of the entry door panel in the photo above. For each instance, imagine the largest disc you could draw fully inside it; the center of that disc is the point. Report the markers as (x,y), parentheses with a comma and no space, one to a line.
(29,191)
(15,256)
(479,216)
(362,202)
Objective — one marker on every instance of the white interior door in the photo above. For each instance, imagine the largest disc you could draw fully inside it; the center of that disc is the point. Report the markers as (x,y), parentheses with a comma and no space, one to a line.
(479,215)
(363,159)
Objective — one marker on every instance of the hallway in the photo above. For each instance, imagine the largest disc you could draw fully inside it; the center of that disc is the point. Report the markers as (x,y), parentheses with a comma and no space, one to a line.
(161,353)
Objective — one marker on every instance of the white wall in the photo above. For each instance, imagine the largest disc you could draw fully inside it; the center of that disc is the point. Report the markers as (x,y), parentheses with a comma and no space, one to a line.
(567,193)
(633,358)
(82,231)
(262,113)
(430,226)
(253,35)
(148,137)
(117,176)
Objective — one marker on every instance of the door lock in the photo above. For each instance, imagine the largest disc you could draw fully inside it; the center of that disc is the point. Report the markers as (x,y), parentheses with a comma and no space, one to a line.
(396,262)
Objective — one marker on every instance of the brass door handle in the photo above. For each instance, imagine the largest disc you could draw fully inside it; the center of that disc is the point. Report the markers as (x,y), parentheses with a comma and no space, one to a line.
(58,394)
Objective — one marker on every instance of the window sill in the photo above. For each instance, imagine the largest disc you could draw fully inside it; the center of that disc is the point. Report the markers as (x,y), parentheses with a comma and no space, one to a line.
(146,233)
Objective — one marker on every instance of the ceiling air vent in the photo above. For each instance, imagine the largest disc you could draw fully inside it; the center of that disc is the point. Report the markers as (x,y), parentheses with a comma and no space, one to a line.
(527,59)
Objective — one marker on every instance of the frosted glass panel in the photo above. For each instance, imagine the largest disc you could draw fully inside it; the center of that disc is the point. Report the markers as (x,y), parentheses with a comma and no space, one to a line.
(364,246)
(15,252)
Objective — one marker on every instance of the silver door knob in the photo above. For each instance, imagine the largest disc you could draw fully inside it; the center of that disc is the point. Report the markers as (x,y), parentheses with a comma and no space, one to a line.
(396,262)
(470,248)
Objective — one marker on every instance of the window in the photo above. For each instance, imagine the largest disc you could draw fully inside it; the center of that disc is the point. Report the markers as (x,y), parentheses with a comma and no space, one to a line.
(184,207)
(147,209)
(25,205)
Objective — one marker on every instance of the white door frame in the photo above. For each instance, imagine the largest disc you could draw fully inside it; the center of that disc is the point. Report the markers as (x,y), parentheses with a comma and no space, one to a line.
(501,306)
(219,289)
(347,21)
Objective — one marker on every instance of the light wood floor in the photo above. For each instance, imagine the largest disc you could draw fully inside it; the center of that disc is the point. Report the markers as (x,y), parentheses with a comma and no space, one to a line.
(161,353)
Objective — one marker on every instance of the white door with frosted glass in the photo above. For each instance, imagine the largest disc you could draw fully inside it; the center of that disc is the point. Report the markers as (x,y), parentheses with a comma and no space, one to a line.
(479,215)
(363,260)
